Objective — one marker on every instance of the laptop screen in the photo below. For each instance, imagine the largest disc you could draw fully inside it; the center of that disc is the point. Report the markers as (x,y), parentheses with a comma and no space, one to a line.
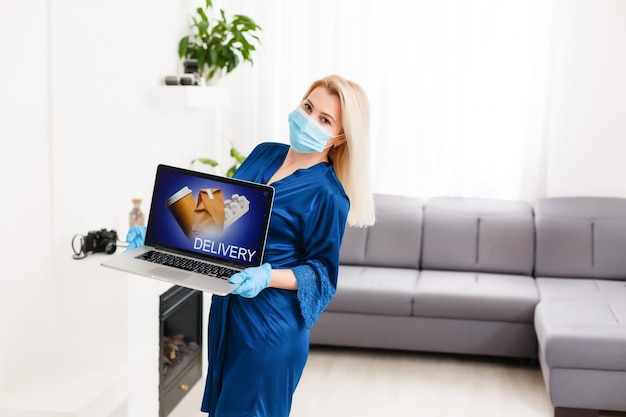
(209,217)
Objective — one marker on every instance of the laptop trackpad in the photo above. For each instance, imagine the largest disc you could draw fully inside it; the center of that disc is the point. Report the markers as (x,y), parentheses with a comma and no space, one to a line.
(169,273)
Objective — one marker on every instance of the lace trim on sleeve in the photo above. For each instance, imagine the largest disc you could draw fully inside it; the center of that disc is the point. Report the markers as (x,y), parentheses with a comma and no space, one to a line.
(314,290)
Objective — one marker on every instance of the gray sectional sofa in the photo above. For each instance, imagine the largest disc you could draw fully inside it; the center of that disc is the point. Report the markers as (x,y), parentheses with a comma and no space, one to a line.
(492,277)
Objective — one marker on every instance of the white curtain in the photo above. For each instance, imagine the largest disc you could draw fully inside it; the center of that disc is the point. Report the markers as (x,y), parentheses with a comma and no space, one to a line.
(458,88)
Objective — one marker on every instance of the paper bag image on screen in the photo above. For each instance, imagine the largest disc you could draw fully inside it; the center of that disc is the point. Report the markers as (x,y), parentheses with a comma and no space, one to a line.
(209,212)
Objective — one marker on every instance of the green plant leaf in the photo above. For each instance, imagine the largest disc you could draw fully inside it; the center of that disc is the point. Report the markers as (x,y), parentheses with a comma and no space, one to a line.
(233,61)
(202,15)
(231,171)
(203,28)
(182,47)
(213,57)
(206,161)
(201,62)
(246,23)
(235,154)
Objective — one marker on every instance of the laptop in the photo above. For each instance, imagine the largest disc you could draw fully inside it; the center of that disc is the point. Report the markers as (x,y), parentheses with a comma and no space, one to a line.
(202,229)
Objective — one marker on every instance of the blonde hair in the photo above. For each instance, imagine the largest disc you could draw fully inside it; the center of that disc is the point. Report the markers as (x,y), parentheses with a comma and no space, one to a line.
(351,160)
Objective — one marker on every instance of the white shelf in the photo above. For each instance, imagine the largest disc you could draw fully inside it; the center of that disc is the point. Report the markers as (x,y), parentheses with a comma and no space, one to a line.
(190,96)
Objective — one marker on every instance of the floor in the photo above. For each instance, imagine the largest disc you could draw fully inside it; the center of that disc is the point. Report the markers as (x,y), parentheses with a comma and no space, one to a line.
(340,382)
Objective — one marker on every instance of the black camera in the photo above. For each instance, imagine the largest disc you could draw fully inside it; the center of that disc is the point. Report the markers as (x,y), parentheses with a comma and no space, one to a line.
(102,240)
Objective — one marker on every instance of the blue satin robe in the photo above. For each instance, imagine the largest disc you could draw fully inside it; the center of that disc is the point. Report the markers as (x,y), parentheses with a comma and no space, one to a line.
(258,346)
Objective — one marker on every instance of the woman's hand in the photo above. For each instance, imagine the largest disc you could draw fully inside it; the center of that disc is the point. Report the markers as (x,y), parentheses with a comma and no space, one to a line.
(253,280)
(136,237)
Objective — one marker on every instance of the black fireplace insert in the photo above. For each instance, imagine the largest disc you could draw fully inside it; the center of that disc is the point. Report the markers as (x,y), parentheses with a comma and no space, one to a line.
(180,362)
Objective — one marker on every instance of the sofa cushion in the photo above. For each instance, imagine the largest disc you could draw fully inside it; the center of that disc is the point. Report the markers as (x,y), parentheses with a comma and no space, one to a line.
(582,334)
(581,237)
(374,290)
(395,240)
(581,289)
(475,234)
(476,296)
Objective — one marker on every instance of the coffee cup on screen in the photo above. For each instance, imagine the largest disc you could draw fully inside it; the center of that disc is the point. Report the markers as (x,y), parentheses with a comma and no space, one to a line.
(182,205)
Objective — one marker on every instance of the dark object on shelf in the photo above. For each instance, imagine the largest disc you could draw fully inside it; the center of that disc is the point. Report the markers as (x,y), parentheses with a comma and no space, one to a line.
(187,80)
(191,66)
(102,240)
(171,80)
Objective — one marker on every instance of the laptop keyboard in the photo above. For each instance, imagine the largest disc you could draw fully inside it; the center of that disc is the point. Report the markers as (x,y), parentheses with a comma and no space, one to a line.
(187,264)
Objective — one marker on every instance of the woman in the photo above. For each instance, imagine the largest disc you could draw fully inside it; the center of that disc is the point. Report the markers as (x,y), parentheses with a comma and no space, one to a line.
(259,335)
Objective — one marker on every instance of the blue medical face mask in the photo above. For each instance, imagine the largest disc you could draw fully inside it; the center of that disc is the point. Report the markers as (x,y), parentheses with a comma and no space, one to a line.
(305,134)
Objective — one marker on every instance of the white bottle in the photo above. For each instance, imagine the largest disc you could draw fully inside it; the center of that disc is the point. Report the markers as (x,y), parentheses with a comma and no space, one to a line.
(136,216)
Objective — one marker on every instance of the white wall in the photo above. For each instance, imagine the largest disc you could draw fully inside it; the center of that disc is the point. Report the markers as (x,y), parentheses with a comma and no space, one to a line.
(24,178)
(81,136)
(587,129)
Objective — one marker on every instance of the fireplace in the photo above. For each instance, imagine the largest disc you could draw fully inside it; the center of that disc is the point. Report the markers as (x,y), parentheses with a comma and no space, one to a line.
(180,362)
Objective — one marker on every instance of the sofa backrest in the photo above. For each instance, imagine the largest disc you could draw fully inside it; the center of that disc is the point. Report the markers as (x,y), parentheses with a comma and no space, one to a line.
(478,234)
(581,237)
(395,240)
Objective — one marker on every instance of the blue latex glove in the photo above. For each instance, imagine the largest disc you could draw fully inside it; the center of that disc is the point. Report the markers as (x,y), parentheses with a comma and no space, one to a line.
(252,280)
(136,237)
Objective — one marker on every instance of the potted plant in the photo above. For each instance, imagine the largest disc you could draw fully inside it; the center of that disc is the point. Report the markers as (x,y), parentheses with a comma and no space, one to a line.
(218,44)
(234,153)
